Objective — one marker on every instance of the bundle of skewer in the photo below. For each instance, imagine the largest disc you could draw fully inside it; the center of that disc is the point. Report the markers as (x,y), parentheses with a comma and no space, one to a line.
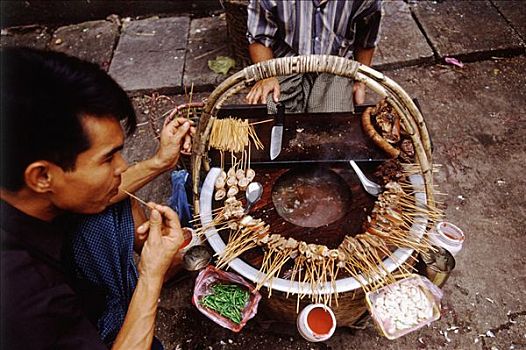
(237,137)
(234,135)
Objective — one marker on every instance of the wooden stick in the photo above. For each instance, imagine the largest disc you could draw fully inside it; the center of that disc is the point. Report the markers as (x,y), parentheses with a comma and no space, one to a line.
(262,121)
(190,101)
(138,199)
(209,52)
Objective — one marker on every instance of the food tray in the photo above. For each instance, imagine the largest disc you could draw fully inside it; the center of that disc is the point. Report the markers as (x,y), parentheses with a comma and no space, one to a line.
(396,316)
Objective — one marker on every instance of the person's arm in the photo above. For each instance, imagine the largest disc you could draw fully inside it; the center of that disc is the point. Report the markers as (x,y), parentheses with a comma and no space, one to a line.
(261,33)
(138,328)
(164,239)
(259,52)
(142,225)
(364,56)
(366,39)
(175,138)
(259,92)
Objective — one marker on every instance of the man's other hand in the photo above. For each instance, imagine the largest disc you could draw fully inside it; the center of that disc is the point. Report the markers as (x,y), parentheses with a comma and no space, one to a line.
(175,138)
(260,91)
(165,237)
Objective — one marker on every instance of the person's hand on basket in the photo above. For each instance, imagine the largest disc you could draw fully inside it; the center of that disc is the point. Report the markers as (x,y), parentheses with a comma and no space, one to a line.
(260,91)
(164,239)
(175,139)
(358,93)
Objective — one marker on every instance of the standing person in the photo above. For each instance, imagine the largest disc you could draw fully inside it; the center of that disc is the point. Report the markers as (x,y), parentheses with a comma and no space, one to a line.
(346,28)
(67,233)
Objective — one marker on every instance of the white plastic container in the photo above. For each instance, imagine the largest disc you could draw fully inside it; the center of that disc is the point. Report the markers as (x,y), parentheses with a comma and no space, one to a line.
(316,322)
(447,236)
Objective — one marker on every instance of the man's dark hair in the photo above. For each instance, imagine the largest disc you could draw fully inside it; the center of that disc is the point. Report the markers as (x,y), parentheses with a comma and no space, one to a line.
(44,96)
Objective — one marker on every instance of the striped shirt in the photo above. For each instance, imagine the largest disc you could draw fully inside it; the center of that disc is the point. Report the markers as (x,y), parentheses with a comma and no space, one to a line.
(304,27)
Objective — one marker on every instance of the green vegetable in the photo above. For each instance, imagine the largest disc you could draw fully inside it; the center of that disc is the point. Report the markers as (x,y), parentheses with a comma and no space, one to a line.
(222,64)
(228,300)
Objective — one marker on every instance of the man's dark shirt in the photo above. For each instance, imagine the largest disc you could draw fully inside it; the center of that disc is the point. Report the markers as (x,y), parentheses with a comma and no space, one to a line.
(39,309)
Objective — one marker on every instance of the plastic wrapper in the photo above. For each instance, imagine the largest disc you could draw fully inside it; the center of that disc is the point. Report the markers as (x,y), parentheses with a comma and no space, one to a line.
(404,306)
(203,286)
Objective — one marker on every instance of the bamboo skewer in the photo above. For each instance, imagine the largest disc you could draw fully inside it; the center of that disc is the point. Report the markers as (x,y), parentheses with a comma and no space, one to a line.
(138,199)
(262,122)
(190,101)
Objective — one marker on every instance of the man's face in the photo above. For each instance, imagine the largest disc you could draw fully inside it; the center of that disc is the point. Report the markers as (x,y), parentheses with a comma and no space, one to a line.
(97,175)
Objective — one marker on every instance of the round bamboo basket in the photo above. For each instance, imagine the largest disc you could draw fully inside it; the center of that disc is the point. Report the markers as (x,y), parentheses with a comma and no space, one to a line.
(351,305)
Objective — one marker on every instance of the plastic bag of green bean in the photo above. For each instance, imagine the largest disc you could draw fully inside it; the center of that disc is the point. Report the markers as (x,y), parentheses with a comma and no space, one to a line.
(225,298)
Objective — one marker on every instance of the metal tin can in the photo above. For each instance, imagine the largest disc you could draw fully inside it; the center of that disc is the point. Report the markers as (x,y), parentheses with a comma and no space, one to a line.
(439,263)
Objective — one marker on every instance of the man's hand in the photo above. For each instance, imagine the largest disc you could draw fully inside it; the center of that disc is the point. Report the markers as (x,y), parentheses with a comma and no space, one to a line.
(260,91)
(358,93)
(165,237)
(175,139)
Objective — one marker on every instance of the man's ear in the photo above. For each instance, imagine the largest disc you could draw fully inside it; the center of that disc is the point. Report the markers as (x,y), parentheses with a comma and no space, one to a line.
(38,176)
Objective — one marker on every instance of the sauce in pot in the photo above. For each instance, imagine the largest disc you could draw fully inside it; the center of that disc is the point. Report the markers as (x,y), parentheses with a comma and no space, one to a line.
(319,321)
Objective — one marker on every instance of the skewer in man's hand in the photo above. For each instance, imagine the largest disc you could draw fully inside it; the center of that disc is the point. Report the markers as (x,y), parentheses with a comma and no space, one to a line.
(165,238)
(175,139)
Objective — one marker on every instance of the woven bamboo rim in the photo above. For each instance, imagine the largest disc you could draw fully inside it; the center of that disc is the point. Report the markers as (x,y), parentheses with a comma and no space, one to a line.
(411,118)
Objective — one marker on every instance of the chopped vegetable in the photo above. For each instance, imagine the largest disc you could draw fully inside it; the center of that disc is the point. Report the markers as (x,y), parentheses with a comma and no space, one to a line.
(228,300)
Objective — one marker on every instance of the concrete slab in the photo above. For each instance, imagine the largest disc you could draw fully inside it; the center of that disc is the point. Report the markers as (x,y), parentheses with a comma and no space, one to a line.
(91,41)
(154,34)
(515,13)
(150,55)
(401,42)
(16,13)
(34,36)
(467,29)
(145,72)
(208,39)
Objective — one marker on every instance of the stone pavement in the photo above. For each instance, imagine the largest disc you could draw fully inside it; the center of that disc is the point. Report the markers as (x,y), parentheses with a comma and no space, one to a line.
(476,114)
(166,54)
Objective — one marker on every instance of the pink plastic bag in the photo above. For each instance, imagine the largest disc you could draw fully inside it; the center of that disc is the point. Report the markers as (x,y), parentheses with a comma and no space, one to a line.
(203,286)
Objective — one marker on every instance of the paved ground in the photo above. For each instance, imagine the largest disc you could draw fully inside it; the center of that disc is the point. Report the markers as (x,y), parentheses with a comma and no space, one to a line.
(477,115)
